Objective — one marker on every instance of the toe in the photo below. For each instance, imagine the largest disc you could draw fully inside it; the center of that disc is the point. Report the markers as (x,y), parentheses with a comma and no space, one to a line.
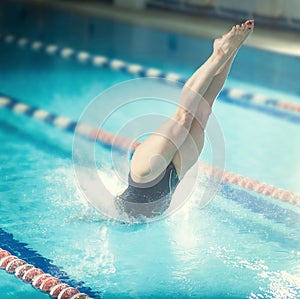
(237,29)
(250,23)
(240,29)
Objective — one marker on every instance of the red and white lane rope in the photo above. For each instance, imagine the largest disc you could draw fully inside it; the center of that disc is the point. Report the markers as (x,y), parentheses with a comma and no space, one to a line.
(251,184)
(122,143)
(37,278)
(101,61)
(65,123)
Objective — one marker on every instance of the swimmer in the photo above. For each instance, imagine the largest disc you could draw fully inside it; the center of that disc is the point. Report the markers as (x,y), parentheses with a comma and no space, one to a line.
(160,162)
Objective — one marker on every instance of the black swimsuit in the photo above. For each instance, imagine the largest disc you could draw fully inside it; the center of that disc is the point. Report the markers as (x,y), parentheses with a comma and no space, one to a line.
(149,199)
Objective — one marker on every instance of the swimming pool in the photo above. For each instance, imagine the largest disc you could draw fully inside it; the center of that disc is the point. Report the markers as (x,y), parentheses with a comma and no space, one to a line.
(242,245)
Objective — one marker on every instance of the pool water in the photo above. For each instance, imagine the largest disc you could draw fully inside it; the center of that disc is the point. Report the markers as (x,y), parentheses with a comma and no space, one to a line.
(242,245)
(14,288)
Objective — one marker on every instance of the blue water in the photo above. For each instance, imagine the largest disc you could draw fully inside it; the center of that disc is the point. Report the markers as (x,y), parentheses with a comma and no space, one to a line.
(240,246)
(14,288)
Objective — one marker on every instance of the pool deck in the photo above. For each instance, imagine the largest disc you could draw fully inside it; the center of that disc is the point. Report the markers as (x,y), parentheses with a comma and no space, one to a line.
(281,41)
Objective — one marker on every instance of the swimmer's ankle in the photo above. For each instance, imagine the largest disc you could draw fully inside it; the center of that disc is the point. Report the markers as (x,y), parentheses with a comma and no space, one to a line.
(218,56)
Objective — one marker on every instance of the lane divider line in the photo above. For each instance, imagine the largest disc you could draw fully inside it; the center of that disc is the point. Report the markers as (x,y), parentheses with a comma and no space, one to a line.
(66,124)
(29,266)
(100,61)
(267,110)
(123,144)
(36,277)
(251,184)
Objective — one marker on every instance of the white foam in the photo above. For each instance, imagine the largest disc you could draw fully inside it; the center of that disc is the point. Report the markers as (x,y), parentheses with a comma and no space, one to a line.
(111,181)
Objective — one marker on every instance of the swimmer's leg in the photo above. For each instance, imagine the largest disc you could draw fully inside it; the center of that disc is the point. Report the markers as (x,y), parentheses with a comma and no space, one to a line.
(153,155)
(187,154)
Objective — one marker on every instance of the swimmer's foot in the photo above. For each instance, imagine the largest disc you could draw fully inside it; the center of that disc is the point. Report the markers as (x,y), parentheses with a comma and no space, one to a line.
(229,43)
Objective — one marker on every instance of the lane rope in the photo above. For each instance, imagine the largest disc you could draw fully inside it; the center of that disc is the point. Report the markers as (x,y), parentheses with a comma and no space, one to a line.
(41,281)
(100,61)
(66,124)
(23,251)
(121,143)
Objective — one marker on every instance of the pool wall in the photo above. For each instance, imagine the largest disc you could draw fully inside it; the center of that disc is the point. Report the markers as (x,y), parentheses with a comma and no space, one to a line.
(266,69)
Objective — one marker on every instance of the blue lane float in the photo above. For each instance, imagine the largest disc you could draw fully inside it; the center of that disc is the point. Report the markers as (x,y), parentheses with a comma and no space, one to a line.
(287,110)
